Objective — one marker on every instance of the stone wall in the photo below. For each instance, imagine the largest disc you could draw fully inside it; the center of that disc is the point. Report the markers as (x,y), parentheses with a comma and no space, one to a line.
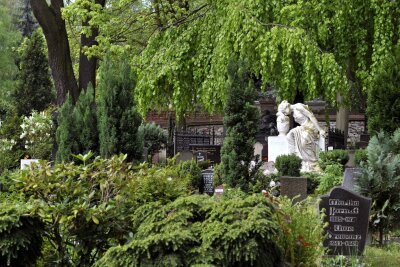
(355,129)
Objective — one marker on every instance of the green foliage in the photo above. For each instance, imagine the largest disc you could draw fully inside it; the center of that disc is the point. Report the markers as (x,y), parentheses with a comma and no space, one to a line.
(192,169)
(9,38)
(77,126)
(332,176)
(302,231)
(313,180)
(383,256)
(288,165)
(20,233)
(10,146)
(198,229)
(241,123)
(118,120)
(337,156)
(87,207)
(380,180)
(360,156)
(85,122)
(154,138)
(384,96)
(35,89)
(66,132)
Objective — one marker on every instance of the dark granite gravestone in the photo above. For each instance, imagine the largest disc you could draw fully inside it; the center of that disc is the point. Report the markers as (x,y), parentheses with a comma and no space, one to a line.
(200,156)
(208,185)
(350,175)
(347,214)
(294,186)
(213,152)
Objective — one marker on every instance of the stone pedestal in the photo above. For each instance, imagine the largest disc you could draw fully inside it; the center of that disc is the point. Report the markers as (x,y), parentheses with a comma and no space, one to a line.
(294,186)
(25,163)
(277,145)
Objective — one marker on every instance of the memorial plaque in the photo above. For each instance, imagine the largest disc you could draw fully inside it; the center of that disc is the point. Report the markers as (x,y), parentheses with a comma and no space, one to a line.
(208,185)
(347,214)
(213,152)
(200,156)
(350,175)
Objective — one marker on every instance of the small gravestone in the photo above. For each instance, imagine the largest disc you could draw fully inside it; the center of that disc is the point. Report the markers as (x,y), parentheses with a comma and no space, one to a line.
(26,163)
(200,156)
(347,215)
(213,151)
(294,187)
(219,190)
(208,185)
(350,175)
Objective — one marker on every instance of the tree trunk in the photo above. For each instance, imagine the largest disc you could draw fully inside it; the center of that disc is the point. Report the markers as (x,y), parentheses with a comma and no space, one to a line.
(342,117)
(49,18)
(88,66)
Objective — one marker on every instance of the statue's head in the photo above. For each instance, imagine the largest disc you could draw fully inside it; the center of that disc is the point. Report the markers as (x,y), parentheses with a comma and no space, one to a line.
(299,116)
(284,108)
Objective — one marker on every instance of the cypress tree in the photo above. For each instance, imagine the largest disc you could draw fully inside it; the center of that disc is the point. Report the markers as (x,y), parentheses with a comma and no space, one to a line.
(35,89)
(86,122)
(118,120)
(66,132)
(241,118)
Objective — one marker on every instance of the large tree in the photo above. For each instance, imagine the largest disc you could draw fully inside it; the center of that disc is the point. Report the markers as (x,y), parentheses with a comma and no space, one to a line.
(310,48)
(49,16)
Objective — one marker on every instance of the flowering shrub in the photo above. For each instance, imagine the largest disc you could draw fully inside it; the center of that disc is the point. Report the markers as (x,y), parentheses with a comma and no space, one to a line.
(37,134)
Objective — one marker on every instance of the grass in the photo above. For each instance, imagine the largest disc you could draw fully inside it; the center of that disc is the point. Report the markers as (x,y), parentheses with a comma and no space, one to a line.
(387,256)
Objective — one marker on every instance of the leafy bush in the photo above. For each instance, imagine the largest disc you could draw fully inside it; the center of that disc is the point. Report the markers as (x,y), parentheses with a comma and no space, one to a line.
(10,146)
(87,207)
(201,230)
(20,233)
(302,231)
(360,156)
(37,134)
(313,180)
(153,137)
(380,180)
(192,169)
(337,156)
(333,176)
(288,165)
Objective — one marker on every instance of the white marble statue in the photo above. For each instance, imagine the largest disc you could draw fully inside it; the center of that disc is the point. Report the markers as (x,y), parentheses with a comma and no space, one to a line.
(303,140)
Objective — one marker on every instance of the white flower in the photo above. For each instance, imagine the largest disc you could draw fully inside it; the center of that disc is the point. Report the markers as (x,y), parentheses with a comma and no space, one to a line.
(272,184)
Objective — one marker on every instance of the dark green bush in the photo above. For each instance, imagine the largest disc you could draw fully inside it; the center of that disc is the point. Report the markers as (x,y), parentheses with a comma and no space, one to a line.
(20,233)
(232,231)
(337,156)
(360,156)
(153,137)
(192,169)
(332,176)
(313,180)
(288,165)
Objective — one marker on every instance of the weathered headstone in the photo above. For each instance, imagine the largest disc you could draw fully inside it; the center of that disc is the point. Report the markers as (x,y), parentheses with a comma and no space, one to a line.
(213,152)
(184,156)
(200,156)
(347,214)
(208,185)
(350,175)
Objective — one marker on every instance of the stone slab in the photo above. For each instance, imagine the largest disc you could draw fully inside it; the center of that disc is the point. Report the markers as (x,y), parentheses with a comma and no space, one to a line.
(208,184)
(294,186)
(347,215)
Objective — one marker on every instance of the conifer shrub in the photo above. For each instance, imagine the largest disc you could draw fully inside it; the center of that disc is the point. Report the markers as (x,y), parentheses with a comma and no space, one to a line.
(288,165)
(11,147)
(193,170)
(66,132)
(337,156)
(235,231)
(35,89)
(241,119)
(118,119)
(380,180)
(21,234)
